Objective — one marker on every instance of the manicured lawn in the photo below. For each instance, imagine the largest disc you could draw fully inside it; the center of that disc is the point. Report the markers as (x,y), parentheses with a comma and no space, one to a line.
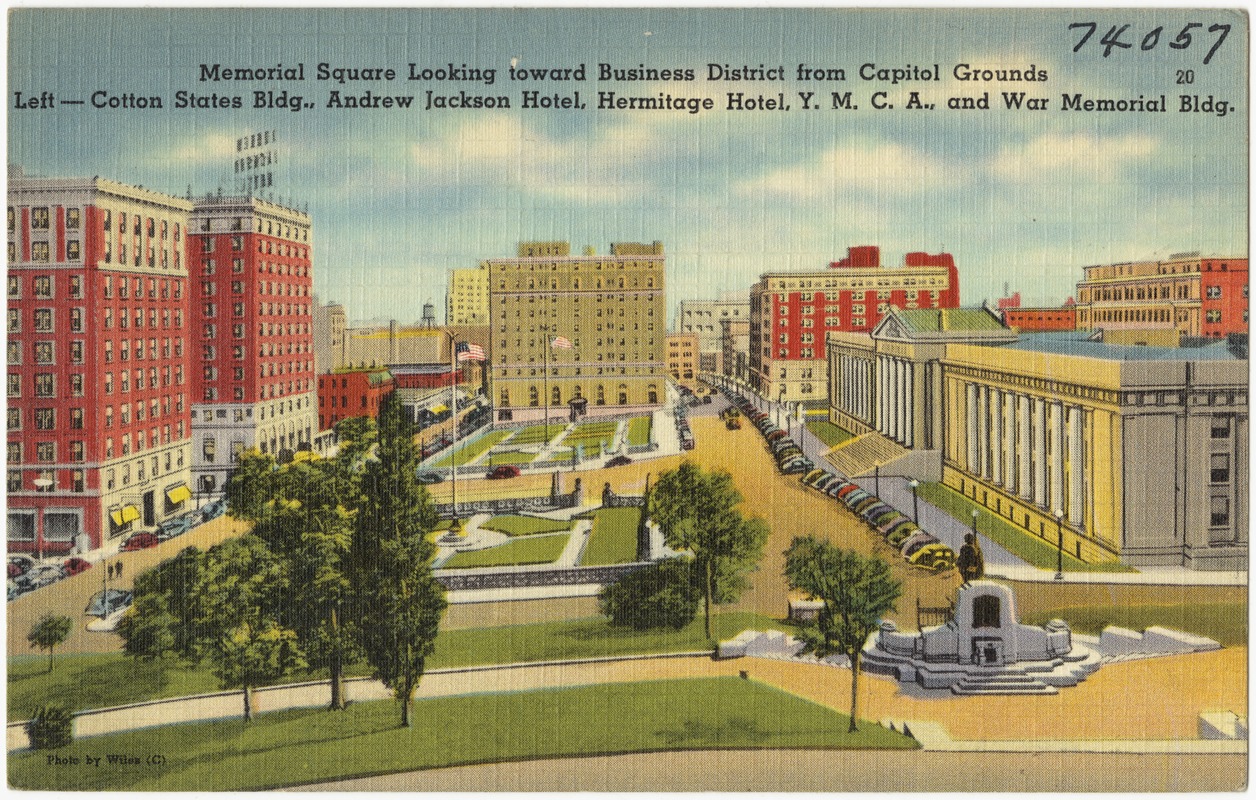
(528,550)
(82,682)
(614,537)
(535,434)
(472,450)
(827,432)
(639,430)
(520,525)
(590,434)
(1036,551)
(312,745)
(1224,622)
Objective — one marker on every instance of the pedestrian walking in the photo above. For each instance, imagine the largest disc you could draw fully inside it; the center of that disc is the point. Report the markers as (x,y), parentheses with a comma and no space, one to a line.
(117,570)
(109,571)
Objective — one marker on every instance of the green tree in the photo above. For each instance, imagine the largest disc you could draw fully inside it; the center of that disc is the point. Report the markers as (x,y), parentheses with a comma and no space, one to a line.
(51,727)
(355,436)
(697,511)
(661,595)
(163,615)
(398,602)
(250,485)
(239,596)
(856,593)
(50,631)
(306,526)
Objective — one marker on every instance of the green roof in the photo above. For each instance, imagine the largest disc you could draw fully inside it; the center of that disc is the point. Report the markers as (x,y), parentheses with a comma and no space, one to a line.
(933,320)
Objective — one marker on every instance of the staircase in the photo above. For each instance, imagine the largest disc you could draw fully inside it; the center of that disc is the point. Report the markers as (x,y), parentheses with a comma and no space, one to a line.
(1000,681)
(860,456)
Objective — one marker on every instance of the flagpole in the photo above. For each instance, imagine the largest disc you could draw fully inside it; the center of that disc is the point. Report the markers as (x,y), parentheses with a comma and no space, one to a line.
(545,384)
(453,400)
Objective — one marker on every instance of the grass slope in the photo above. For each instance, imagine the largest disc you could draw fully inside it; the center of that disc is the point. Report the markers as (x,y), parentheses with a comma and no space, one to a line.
(520,525)
(614,537)
(639,430)
(1224,622)
(293,747)
(471,450)
(1018,541)
(525,550)
(827,432)
(82,682)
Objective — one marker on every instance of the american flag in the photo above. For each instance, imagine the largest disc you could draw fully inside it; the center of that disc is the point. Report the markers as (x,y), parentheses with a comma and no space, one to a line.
(561,341)
(469,352)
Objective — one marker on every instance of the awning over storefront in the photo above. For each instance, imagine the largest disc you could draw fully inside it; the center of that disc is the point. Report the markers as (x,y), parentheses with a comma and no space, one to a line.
(122,516)
(178,494)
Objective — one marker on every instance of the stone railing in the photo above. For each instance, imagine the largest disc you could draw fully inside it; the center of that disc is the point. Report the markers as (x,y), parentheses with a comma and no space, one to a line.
(612,500)
(460,579)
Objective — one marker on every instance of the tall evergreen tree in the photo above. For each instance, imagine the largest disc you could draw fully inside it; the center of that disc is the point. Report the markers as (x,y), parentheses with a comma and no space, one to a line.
(398,603)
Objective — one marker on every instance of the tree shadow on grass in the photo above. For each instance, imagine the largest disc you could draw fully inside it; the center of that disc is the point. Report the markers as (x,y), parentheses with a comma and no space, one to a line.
(735,731)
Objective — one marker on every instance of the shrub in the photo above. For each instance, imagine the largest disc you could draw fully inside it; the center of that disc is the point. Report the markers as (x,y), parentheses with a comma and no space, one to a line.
(50,728)
(662,595)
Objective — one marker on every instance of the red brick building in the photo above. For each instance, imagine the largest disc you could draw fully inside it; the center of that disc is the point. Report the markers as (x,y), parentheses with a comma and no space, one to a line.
(251,333)
(1039,320)
(98,392)
(1204,297)
(343,394)
(791,312)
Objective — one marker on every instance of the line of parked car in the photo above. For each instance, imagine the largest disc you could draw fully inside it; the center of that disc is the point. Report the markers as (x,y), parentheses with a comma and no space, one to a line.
(682,427)
(26,574)
(789,456)
(917,547)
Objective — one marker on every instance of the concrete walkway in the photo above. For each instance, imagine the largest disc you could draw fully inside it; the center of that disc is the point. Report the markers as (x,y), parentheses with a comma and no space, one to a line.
(933,736)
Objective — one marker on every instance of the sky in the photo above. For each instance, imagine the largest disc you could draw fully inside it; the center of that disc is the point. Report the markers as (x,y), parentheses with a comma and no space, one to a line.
(1022,199)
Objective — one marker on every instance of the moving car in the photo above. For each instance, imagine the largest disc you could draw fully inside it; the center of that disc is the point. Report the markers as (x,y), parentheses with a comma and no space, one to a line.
(619,461)
(106,602)
(173,527)
(214,510)
(503,471)
(428,478)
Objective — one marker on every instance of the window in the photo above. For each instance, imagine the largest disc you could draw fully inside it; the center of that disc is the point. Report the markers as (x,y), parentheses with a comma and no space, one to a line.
(39,218)
(42,286)
(73,219)
(45,419)
(15,285)
(44,353)
(39,251)
(14,419)
(45,385)
(1220,468)
(1220,427)
(72,250)
(1214,293)
(14,353)
(76,320)
(43,319)
(76,286)
(208,449)
(1219,512)
(76,419)
(76,384)
(14,452)
(77,452)
(15,320)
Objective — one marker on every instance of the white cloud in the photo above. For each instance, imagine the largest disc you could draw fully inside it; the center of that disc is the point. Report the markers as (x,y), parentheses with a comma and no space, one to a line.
(874,167)
(1055,156)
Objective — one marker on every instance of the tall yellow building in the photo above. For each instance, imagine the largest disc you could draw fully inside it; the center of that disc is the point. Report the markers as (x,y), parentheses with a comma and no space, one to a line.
(588,328)
(466,301)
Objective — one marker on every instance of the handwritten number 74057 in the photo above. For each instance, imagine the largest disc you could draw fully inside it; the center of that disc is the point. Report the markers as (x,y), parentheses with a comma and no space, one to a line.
(1113,38)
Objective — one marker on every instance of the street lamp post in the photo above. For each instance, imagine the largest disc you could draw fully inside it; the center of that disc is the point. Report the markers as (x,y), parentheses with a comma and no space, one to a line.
(974,524)
(1059,551)
(454,527)
(915,501)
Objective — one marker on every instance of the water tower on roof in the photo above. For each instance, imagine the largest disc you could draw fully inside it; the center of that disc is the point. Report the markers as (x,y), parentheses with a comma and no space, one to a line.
(429,315)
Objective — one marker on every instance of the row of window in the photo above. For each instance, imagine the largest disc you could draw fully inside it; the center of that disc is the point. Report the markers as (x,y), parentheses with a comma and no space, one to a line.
(45,352)
(22,524)
(40,218)
(169,287)
(124,318)
(555,371)
(45,452)
(599,395)
(268,247)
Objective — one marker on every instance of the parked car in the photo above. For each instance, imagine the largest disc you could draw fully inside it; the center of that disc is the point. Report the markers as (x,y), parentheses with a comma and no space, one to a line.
(213,510)
(706,399)
(502,471)
(108,601)
(139,541)
(429,478)
(619,461)
(18,586)
(176,526)
(44,574)
(21,562)
(732,423)
(16,570)
(194,517)
(74,565)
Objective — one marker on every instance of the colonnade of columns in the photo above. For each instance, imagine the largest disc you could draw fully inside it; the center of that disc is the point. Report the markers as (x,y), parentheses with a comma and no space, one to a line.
(1030,446)
(896,392)
(854,386)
